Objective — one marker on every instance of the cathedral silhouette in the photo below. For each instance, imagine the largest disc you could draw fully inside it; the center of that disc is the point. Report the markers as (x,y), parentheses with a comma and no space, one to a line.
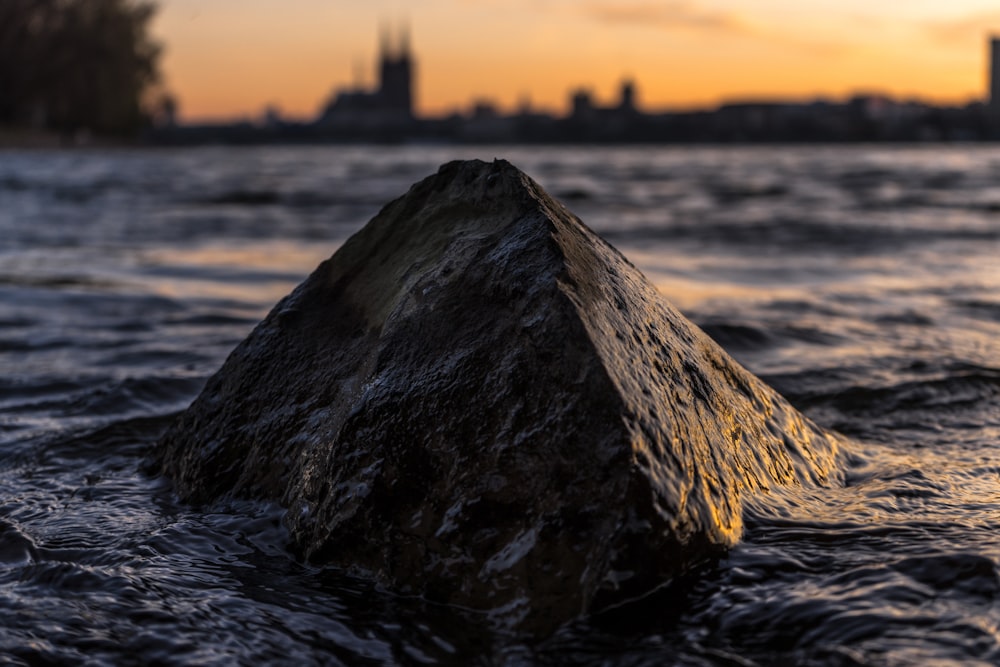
(391,101)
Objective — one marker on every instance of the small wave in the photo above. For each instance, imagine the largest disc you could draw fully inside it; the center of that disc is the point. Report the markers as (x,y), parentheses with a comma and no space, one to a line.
(20,344)
(134,434)
(16,322)
(778,232)
(214,319)
(123,397)
(737,336)
(17,549)
(304,199)
(246,198)
(980,308)
(57,281)
(962,574)
(14,184)
(801,602)
(959,391)
(729,193)
(864,179)
(20,388)
(907,317)
(574,194)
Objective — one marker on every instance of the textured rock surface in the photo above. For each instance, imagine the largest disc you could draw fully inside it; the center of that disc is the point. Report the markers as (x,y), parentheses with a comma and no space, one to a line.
(478,400)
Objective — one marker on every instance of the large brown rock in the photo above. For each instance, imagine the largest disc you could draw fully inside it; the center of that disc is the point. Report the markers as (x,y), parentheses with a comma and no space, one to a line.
(478,400)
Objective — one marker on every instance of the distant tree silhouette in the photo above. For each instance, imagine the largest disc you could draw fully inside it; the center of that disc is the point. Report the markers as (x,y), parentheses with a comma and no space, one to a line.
(77,65)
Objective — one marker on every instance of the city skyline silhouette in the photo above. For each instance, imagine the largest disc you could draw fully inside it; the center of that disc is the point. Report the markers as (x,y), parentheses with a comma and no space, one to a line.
(385,111)
(683,55)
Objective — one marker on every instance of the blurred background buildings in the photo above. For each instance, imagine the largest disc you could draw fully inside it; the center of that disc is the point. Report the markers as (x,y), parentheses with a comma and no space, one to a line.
(85,69)
(386,113)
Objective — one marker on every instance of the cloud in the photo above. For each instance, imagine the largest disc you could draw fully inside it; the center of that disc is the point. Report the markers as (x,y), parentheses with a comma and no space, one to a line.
(965,30)
(676,15)
(684,15)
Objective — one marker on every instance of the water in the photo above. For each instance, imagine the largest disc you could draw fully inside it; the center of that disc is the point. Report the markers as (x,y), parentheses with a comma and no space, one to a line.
(862,283)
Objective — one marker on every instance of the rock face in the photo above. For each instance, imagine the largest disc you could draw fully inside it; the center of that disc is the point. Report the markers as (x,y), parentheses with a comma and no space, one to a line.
(478,400)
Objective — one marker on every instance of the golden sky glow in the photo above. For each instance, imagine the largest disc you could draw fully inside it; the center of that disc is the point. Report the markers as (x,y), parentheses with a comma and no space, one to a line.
(231,58)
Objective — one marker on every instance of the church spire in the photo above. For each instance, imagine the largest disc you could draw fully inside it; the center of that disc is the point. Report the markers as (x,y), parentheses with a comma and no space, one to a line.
(384,41)
(404,39)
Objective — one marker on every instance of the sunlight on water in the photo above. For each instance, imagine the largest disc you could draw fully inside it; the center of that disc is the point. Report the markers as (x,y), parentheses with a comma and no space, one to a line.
(247,273)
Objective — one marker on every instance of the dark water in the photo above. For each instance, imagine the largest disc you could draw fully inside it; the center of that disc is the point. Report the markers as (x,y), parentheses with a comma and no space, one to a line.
(864,284)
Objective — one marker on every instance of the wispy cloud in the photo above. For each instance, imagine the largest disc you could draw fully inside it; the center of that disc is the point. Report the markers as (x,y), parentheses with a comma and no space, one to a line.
(677,15)
(965,30)
(682,15)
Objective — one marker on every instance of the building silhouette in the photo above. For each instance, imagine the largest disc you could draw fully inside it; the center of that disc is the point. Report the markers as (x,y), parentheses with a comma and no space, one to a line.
(391,102)
(385,113)
(396,67)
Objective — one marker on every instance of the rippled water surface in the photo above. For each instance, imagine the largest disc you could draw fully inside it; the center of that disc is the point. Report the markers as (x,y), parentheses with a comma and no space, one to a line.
(862,283)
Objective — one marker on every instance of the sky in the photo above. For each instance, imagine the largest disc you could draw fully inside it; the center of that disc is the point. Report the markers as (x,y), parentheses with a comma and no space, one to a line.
(227,59)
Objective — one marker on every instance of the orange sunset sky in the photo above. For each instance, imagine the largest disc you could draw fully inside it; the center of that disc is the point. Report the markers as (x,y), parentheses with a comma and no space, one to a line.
(231,58)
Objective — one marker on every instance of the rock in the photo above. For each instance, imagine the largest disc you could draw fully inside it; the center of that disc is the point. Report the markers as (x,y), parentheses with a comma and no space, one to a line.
(478,400)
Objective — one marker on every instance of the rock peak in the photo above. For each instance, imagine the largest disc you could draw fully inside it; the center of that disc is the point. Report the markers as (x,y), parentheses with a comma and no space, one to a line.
(478,400)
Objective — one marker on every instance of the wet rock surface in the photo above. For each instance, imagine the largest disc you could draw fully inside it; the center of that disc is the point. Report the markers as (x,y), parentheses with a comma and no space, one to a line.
(478,400)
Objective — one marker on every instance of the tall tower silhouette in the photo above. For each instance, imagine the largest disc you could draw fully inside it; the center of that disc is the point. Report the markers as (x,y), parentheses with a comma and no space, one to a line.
(994,101)
(396,67)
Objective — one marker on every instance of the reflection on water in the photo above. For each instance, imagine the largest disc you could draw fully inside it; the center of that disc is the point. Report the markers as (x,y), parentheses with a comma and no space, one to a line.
(248,272)
(862,283)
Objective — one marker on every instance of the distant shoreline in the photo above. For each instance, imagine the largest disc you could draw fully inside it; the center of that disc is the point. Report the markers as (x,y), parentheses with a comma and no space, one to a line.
(15,137)
(22,139)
